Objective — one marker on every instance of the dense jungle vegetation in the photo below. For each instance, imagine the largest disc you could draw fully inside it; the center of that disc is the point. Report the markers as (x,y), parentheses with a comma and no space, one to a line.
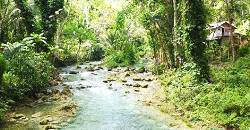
(204,80)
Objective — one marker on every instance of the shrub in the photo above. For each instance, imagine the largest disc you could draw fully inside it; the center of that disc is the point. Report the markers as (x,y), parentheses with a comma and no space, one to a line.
(27,73)
(2,68)
(226,101)
(120,58)
(243,51)
(2,110)
(96,52)
(33,71)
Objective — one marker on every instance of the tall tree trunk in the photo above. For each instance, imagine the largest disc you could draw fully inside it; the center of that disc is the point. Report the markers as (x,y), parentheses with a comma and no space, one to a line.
(196,19)
(177,62)
(229,4)
(26,13)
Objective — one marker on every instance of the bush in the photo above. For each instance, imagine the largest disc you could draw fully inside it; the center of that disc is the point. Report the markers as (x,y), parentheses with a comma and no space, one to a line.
(33,72)
(120,58)
(96,52)
(2,68)
(2,109)
(243,51)
(27,73)
(225,102)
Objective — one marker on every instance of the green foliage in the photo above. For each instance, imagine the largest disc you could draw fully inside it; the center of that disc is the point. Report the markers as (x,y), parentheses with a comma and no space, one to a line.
(243,51)
(96,52)
(2,109)
(224,102)
(120,58)
(159,69)
(28,72)
(75,29)
(26,12)
(125,44)
(157,18)
(2,68)
(11,22)
(195,24)
(47,22)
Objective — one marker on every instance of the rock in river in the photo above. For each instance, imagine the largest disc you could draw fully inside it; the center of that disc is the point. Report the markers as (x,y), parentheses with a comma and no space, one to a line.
(144,86)
(73,72)
(136,85)
(136,78)
(19,116)
(137,90)
(38,114)
(45,121)
(141,70)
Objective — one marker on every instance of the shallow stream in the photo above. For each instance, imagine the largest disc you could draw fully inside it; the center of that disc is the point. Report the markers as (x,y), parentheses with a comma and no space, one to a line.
(106,106)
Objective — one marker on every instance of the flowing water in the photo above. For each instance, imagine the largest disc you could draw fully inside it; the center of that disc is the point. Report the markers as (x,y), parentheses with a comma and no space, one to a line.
(104,108)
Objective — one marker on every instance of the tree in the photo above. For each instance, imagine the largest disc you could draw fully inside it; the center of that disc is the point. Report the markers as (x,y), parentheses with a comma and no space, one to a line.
(49,9)
(29,17)
(196,35)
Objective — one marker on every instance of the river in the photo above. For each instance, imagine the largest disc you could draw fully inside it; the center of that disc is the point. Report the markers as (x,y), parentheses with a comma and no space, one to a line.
(109,106)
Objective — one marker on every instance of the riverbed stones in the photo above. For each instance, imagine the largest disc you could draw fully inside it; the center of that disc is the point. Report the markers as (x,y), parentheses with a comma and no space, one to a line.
(98,68)
(51,127)
(137,90)
(94,73)
(90,68)
(12,120)
(38,114)
(144,85)
(136,85)
(127,74)
(105,81)
(78,67)
(53,82)
(124,81)
(66,91)
(19,116)
(128,84)
(73,72)
(55,91)
(68,107)
(46,121)
(149,79)
(136,78)
(83,87)
(141,70)
(127,91)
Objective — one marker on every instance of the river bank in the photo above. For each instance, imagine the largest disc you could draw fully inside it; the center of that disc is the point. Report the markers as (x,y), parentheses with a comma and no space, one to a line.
(52,110)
